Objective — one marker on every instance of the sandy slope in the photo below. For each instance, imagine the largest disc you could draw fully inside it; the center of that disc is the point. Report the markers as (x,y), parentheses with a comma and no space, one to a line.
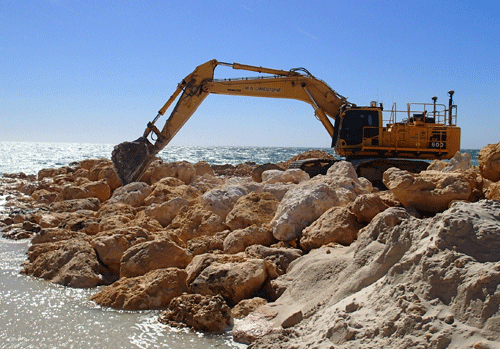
(405,283)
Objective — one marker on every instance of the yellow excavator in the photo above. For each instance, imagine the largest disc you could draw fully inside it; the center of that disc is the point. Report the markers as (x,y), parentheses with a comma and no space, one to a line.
(359,133)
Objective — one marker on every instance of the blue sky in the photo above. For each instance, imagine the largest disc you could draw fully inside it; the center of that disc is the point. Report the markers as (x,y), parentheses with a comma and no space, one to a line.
(98,71)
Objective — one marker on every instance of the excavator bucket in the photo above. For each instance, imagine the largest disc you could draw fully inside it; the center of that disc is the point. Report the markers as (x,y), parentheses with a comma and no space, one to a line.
(130,159)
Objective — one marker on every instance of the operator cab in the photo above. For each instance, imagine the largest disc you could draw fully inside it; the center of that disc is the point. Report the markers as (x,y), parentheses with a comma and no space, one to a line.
(359,123)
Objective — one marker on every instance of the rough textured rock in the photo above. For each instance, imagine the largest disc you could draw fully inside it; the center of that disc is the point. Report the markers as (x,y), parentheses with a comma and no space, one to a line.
(337,225)
(233,281)
(111,245)
(201,313)
(92,204)
(155,254)
(367,206)
(200,262)
(489,162)
(71,262)
(429,191)
(343,179)
(132,194)
(493,191)
(203,168)
(246,306)
(170,188)
(153,290)
(257,171)
(182,170)
(206,183)
(460,161)
(417,283)
(295,176)
(207,244)
(252,209)
(276,259)
(72,192)
(195,221)
(99,189)
(221,200)
(238,240)
(301,206)
(165,212)
(278,189)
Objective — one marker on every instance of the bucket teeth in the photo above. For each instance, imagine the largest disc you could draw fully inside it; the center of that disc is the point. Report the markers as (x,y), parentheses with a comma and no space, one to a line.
(130,159)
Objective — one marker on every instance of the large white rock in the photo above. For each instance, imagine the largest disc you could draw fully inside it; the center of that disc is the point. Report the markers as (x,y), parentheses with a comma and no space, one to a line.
(294,175)
(221,200)
(132,194)
(301,206)
(343,179)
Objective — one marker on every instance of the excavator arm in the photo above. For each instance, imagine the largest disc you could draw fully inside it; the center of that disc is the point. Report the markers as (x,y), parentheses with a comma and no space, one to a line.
(132,158)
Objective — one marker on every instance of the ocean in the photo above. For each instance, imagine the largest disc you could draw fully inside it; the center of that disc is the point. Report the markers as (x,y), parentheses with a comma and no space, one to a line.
(37,314)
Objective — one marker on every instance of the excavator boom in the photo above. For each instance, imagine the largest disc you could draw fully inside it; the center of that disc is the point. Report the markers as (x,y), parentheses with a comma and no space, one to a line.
(359,133)
(131,159)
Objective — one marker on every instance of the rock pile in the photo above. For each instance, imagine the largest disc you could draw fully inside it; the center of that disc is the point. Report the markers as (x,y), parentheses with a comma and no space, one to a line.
(302,262)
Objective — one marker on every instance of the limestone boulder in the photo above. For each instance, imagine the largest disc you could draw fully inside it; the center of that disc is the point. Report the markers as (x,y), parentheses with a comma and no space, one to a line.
(430,191)
(82,220)
(276,259)
(489,162)
(247,306)
(170,188)
(182,170)
(238,240)
(111,245)
(202,261)
(71,262)
(301,206)
(155,254)
(144,221)
(203,168)
(493,191)
(99,189)
(278,189)
(46,220)
(132,194)
(113,216)
(97,166)
(367,206)
(109,174)
(44,196)
(51,235)
(92,204)
(259,170)
(153,290)
(201,313)
(460,161)
(295,176)
(343,179)
(195,221)
(87,164)
(51,172)
(233,281)
(72,192)
(336,225)
(207,182)
(222,200)
(165,212)
(207,244)
(252,209)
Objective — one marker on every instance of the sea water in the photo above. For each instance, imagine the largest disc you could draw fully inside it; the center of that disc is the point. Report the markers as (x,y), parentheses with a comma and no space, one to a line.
(35,313)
